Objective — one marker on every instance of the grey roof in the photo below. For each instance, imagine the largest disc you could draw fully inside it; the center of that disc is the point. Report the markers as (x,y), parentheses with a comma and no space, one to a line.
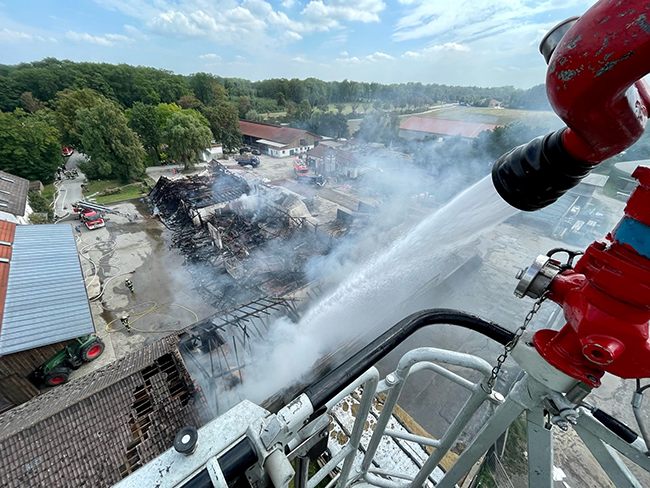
(13,194)
(629,166)
(46,295)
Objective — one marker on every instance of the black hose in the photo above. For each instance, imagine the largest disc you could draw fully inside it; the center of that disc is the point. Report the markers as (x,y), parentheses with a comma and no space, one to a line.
(233,463)
(326,388)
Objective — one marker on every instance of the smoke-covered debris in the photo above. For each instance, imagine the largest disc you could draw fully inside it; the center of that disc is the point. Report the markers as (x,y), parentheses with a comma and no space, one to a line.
(217,349)
(240,242)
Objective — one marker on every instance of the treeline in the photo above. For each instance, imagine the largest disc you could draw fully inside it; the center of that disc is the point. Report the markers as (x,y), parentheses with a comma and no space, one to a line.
(127,84)
(119,143)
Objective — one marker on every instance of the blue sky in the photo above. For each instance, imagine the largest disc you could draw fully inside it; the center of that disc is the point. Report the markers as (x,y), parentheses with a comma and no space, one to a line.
(464,42)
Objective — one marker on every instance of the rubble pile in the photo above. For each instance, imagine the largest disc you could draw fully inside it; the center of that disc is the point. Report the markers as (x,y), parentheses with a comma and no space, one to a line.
(240,242)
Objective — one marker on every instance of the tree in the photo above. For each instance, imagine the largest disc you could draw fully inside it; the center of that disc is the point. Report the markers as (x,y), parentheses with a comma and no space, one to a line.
(303,111)
(329,124)
(67,104)
(282,101)
(244,105)
(379,127)
(144,120)
(114,150)
(340,107)
(29,103)
(189,101)
(203,86)
(29,146)
(186,138)
(224,125)
(253,116)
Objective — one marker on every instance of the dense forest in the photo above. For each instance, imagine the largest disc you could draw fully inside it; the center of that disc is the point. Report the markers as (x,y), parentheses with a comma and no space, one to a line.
(129,84)
(126,117)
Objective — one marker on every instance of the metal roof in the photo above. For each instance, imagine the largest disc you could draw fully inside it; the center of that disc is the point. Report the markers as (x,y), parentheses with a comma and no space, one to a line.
(445,127)
(46,296)
(13,194)
(270,143)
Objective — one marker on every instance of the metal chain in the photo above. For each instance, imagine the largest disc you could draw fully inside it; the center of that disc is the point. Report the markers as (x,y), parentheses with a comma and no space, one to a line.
(511,345)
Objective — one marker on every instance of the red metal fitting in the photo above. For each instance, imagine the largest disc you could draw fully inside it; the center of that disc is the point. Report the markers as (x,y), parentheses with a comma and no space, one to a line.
(606,301)
(594,79)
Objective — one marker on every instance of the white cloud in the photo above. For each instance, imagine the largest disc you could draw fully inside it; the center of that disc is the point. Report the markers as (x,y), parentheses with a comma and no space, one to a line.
(248,23)
(320,16)
(11,36)
(298,60)
(468,20)
(209,56)
(134,32)
(437,48)
(239,58)
(235,26)
(353,59)
(293,35)
(343,53)
(106,40)
(371,58)
(411,54)
(379,57)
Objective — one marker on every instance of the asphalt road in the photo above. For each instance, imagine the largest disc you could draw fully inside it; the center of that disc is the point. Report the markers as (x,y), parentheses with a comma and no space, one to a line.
(69,190)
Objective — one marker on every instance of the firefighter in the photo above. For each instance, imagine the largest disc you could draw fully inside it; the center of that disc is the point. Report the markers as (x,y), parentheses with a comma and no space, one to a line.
(125,322)
(129,285)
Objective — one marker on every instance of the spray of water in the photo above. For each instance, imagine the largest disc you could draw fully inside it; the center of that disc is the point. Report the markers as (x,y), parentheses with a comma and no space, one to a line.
(361,303)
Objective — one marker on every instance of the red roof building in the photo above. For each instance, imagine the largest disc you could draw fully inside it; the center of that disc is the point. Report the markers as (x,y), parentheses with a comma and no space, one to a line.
(421,127)
(276,140)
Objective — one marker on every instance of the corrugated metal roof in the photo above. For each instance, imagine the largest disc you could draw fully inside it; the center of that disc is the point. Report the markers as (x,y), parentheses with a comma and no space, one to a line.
(7,231)
(46,296)
(13,193)
(445,127)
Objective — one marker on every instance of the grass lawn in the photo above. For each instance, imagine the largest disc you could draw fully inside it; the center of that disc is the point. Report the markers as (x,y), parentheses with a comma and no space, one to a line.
(494,116)
(48,192)
(126,192)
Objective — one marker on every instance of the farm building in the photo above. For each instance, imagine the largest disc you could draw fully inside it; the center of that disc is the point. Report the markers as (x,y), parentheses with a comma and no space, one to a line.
(38,264)
(99,428)
(423,127)
(277,141)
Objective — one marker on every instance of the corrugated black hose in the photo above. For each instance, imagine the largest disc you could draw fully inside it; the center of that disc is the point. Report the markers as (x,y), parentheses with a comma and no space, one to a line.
(326,388)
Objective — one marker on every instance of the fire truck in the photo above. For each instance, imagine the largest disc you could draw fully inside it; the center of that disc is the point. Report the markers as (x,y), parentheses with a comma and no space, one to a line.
(300,167)
(91,219)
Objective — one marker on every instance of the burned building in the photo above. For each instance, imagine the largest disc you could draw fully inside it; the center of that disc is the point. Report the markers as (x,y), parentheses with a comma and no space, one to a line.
(241,240)
(98,429)
(218,348)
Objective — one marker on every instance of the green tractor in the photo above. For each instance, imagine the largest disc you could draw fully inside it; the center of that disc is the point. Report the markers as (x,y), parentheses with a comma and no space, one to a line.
(56,370)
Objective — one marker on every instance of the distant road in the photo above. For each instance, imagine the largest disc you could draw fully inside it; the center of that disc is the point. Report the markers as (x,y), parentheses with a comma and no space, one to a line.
(70,190)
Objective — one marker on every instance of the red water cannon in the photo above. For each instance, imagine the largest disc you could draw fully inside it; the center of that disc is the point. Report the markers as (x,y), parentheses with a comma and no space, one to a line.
(593,82)
(605,299)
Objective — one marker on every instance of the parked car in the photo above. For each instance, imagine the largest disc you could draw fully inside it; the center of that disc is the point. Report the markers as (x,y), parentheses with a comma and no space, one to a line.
(244,150)
(253,161)
(256,152)
(66,152)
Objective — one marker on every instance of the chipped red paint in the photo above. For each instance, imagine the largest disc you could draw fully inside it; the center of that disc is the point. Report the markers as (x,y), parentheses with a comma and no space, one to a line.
(594,79)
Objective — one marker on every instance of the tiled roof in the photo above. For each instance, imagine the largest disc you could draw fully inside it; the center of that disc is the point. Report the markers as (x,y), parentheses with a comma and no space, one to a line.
(44,270)
(445,127)
(7,231)
(94,430)
(13,193)
(275,133)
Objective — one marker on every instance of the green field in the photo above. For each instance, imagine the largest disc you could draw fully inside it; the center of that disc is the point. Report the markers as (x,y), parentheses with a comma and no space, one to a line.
(494,116)
(124,192)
